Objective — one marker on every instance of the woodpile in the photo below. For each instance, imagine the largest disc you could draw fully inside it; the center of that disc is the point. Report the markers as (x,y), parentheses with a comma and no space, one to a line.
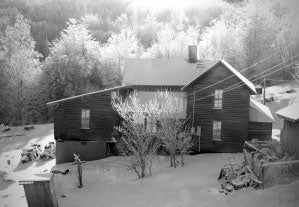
(35,153)
(234,177)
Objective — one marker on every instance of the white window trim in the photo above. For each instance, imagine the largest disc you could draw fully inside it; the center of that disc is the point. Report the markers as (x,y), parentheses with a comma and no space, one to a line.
(85,121)
(218,131)
(218,98)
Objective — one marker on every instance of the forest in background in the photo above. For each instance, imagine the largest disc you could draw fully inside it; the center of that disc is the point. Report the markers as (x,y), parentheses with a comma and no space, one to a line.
(53,49)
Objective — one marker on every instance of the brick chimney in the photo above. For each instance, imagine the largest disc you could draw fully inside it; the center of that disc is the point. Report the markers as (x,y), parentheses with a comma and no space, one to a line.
(192,53)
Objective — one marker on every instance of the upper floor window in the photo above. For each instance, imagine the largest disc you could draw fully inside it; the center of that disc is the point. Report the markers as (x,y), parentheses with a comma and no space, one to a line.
(85,118)
(217,130)
(218,99)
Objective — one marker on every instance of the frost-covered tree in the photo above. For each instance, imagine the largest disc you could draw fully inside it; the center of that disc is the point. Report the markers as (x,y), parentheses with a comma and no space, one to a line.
(119,48)
(171,44)
(172,132)
(22,66)
(147,125)
(137,141)
(73,66)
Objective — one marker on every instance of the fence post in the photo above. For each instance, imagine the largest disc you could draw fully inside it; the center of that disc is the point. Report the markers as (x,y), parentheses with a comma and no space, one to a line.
(262,173)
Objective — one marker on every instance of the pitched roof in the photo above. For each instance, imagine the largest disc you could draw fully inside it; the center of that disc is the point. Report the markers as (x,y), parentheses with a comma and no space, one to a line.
(167,72)
(290,112)
(247,83)
(258,112)
(85,94)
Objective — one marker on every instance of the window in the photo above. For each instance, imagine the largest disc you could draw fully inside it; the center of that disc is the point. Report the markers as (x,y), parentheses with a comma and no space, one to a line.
(217,130)
(218,99)
(85,117)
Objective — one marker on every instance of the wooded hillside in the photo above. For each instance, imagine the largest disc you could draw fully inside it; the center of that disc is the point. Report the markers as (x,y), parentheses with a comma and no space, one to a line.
(52,49)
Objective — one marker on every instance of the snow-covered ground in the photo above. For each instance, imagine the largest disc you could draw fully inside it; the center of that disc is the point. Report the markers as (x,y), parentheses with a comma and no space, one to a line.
(107,182)
(11,193)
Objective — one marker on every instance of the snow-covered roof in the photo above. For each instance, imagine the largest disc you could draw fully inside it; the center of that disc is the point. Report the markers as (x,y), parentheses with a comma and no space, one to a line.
(290,112)
(259,112)
(85,94)
(163,72)
(249,84)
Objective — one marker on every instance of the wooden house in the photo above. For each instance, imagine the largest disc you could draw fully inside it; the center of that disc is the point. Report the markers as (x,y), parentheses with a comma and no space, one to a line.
(289,136)
(83,125)
(216,99)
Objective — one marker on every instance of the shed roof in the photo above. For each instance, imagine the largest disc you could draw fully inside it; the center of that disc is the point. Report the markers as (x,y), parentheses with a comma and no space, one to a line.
(85,94)
(258,112)
(246,82)
(167,72)
(290,112)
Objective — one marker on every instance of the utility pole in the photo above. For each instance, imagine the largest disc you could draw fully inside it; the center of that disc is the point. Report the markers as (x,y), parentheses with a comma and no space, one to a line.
(264,93)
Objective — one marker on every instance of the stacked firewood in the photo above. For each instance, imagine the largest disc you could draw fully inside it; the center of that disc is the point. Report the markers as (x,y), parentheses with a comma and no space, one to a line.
(35,153)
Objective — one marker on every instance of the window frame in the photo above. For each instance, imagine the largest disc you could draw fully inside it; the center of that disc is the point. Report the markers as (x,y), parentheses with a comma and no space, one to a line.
(218,99)
(217,131)
(85,121)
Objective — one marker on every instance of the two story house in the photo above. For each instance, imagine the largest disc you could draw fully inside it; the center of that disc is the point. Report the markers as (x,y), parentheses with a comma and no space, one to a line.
(216,100)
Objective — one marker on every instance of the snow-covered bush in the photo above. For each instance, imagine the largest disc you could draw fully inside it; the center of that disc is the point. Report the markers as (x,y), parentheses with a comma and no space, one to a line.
(172,131)
(147,126)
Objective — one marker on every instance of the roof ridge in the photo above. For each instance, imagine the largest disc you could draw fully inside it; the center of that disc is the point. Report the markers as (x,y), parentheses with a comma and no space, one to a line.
(164,59)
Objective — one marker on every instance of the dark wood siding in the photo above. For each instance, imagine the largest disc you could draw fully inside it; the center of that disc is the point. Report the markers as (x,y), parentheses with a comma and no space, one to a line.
(289,138)
(67,118)
(234,115)
(260,130)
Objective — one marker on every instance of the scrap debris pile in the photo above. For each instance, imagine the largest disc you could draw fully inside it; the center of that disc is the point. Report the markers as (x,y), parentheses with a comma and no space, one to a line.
(264,165)
(35,153)
(233,176)
(270,163)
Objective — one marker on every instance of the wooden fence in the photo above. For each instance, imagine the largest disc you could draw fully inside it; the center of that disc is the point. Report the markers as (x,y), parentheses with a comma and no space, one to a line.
(270,173)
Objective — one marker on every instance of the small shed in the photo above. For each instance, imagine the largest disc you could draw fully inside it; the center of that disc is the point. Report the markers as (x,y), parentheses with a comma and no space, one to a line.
(40,192)
(290,129)
(260,121)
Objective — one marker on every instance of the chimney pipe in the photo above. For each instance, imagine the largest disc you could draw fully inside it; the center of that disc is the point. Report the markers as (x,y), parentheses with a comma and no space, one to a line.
(192,53)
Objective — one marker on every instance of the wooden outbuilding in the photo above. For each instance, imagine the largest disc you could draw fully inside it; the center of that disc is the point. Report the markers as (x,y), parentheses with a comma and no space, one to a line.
(260,121)
(289,136)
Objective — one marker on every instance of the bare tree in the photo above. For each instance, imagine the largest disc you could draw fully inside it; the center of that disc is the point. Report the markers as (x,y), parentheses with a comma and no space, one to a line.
(137,141)
(146,126)
(175,138)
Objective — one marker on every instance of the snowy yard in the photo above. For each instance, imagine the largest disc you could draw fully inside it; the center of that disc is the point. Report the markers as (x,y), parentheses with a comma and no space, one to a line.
(11,193)
(107,182)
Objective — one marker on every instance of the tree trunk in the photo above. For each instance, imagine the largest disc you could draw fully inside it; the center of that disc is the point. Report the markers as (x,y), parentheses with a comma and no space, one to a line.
(182,160)
(150,167)
(142,174)
(171,160)
(174,161)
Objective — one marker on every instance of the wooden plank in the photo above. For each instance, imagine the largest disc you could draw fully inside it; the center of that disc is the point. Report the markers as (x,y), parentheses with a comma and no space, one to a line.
(254,177)
(281,163)
(256,149)
(11,135)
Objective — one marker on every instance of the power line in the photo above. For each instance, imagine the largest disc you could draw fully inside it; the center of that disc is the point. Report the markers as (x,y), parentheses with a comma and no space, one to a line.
(242,84)
(239,71)
(265,71)
(252,76)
